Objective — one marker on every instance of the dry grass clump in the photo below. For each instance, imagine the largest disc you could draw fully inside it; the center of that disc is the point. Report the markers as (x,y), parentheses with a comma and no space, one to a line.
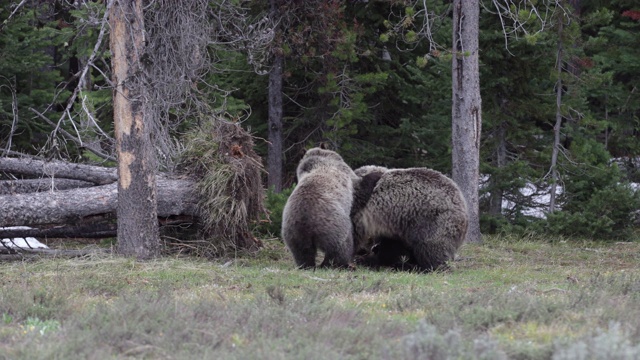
(219,156)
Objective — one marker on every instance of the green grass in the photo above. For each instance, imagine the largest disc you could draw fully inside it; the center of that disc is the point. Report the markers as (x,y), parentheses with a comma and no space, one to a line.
(508,298)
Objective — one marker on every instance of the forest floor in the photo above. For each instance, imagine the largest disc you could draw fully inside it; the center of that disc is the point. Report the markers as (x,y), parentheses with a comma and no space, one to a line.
(507,298)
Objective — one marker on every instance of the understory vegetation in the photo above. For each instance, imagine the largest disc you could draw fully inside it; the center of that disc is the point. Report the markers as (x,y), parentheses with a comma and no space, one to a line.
(516,298)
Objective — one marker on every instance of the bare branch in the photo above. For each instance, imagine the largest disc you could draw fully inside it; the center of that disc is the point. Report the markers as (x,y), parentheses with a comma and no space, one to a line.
(76,140)
(81,84)
(14,110)
(94,123)
(178,47)
(402,23)
(537,19)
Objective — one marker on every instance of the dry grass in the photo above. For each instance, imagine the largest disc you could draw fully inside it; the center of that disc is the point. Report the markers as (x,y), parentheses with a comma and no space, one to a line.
(219,156)
(508,298)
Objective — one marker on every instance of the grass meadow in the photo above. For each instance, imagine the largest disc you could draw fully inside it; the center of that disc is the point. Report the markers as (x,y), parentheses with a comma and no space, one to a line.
(509,298)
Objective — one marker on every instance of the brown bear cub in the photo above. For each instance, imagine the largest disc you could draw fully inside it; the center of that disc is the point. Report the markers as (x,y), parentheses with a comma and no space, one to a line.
(387,252)
(316,215)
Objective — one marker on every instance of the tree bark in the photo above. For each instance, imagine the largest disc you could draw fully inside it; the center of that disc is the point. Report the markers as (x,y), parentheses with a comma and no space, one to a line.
(555,177)
(9,187)
(89,231)
(175,197)
(93,227)
(466,109)
(495,200)
(57,169)
(138,233)
(274,156)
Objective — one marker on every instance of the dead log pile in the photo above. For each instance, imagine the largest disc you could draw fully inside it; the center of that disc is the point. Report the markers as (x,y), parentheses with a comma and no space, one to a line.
(65,200)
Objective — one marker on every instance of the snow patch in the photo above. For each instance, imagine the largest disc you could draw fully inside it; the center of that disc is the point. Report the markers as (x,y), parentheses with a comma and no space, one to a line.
(540,197)
(21,243)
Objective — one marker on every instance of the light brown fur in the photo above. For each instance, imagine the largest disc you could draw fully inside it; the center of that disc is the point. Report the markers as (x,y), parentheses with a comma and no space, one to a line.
(316,215)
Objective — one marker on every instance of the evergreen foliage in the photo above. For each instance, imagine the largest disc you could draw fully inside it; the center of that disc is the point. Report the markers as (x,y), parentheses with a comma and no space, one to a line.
(42,47)
(274,203)
(613,48)
(597,202)
(28,74)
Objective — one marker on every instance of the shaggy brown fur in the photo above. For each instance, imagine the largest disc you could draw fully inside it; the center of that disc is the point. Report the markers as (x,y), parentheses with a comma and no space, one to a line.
(316,215)
(418,209)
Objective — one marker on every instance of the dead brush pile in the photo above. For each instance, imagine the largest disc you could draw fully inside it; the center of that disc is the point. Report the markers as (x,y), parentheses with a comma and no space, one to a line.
(219,157)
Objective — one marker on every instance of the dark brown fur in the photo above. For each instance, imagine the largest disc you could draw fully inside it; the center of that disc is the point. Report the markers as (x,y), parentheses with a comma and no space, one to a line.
(417,210)
(388,252)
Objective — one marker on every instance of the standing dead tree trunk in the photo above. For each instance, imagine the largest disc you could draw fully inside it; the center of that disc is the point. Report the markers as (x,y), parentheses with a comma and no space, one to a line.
(555,177)
(138,233)
(274,162)
(274,158)
(466,110)
(500,161)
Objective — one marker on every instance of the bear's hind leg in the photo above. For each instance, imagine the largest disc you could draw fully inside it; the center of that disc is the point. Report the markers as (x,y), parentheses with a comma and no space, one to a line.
(335,259)
(304,255)
(338,254)
(430,258)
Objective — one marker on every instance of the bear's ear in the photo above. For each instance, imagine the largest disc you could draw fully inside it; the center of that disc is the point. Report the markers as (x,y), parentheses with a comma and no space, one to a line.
(323,145)
(303,152)
(370,181)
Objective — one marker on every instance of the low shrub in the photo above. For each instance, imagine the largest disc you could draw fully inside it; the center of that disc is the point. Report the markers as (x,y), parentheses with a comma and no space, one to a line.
(274,204)
(607,214)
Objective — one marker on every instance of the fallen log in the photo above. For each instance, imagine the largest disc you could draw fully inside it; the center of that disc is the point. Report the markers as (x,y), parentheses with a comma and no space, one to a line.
(175,197)
(12,187)
(99,227)
(88,231)
(57,169)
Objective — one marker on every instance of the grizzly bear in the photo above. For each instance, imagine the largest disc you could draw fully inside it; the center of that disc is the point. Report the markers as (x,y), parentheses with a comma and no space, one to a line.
(414,216)
(316,215)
